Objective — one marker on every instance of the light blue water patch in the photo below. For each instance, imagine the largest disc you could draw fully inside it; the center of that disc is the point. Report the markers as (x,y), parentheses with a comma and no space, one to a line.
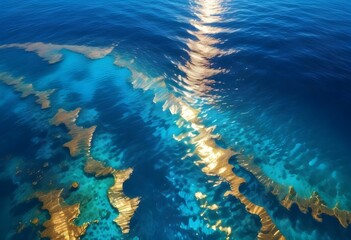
(79,75)
(313,161)
(88,116)
(7,94)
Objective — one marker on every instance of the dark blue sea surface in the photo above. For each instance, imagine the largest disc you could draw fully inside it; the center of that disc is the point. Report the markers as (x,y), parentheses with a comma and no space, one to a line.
(270,80)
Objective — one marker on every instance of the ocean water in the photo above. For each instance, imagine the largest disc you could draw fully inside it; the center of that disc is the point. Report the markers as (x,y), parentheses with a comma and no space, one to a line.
(169,85)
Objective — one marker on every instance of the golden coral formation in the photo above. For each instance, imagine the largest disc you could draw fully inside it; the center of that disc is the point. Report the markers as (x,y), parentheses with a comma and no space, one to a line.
(53,52)
(34,221)
(201,198)
(213,159)
(75,185)
(126,206)
(289,197)
(81,144)
(215,162)
(97,168)
(27,89)
(81,137)
(61,225)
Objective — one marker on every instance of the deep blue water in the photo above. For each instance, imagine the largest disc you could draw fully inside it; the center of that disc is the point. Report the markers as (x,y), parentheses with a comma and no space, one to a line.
(274,77)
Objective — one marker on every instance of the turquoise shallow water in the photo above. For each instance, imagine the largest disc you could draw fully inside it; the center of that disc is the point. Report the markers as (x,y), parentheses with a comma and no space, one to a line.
(273,78)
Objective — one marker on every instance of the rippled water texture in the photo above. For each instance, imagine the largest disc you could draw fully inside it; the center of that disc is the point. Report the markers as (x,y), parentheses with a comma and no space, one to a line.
(197,119)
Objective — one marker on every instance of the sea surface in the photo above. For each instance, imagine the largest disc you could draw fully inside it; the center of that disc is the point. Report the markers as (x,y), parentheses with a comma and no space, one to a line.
(223,111)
